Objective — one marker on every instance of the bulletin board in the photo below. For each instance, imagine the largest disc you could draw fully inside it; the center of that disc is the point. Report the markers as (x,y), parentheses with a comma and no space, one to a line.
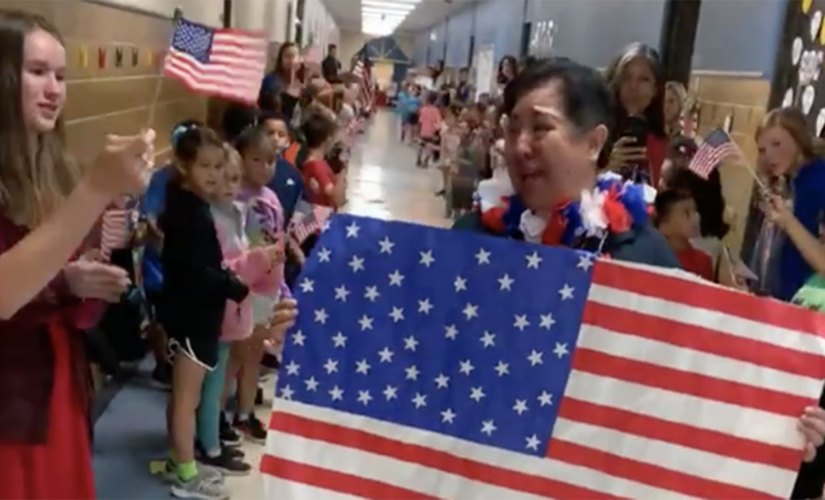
(801,80)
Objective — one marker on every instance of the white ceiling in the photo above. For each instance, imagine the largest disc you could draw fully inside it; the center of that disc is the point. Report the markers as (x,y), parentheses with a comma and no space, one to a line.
(347,13)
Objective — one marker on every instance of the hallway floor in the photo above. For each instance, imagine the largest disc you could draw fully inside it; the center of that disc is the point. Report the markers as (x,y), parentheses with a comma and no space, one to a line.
(383,183)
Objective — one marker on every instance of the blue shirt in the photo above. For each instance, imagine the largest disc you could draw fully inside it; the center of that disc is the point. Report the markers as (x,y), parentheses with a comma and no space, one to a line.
(288,185)
(791,270)
(154,199)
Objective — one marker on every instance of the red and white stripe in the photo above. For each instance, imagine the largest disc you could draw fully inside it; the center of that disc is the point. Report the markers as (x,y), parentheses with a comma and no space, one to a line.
(364,75)
(679,389)
(114,231)
(235,69)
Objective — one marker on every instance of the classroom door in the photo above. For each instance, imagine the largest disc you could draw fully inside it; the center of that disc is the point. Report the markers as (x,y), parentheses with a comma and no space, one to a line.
(678,36)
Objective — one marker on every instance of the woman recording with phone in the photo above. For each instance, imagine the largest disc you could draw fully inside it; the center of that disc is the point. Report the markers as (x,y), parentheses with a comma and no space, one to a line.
(639,138)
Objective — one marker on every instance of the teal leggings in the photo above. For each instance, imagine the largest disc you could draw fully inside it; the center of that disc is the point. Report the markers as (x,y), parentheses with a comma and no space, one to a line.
(209,411)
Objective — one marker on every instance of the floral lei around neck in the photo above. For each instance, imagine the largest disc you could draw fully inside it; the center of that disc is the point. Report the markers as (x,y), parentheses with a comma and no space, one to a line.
(613,207)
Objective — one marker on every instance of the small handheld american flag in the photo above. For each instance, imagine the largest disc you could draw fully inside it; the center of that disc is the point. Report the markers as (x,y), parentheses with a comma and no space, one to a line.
(717,147)
(362,71)
(308,219)
(222,62)
(429,363)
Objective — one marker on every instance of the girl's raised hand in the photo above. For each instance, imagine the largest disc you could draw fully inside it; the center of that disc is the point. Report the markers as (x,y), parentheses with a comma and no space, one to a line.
(812,426)
(124,165)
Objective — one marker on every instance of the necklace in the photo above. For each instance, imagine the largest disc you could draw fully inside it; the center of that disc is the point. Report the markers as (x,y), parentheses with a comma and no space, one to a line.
(612,207)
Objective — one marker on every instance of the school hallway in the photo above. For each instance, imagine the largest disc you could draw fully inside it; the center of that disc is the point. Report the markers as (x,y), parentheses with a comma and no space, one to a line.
(383,183)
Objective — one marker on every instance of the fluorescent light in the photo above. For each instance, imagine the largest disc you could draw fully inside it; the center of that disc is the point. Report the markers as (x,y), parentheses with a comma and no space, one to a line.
(386,12)
(382,17)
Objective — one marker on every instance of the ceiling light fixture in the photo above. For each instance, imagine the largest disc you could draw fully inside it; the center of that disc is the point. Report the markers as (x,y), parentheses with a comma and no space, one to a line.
(382,17)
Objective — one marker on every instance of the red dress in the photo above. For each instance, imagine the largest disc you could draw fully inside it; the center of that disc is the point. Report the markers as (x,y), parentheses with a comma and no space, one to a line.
(62,467)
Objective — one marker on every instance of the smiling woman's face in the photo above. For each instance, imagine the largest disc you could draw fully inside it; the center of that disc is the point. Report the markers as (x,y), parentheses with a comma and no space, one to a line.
(550,161)
(43,83)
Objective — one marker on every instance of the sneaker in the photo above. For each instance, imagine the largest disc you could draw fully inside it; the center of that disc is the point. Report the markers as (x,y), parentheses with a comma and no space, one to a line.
(253,429)
(201,487)
(228,435)
(170,474)
(227,462)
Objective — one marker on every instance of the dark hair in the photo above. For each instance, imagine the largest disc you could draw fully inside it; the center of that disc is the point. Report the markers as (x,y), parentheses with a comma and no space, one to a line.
(192,140)
(332,46)
(253,138)
(181,127)
(432,98)
(279,60)
(654,114)
(665,201)
(236,119)
(681,148)
(333,158)
(500,78)
(585,96)
(265,116)
(710,202)
(317,129)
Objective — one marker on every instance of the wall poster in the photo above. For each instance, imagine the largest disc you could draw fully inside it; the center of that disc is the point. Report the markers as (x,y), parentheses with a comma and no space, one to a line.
(484,71)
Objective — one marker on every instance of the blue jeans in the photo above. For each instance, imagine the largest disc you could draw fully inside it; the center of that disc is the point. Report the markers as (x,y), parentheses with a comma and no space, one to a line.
(209,410)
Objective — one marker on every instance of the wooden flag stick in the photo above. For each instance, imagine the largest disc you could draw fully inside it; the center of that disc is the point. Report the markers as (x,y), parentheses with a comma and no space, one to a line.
(159,86)
(751,170)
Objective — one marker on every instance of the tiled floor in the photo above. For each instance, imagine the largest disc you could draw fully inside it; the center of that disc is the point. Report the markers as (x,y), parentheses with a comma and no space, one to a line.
(384,183)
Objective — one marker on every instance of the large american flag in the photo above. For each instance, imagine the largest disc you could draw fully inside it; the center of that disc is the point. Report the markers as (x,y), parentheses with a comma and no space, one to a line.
(227,63)
(430,363)
(716,148)
(362,71)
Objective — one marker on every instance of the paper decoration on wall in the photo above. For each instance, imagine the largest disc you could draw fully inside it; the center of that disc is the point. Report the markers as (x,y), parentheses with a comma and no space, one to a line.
(816,24)
(541,40)
(808,96)
(796,50)
(820,122)
(118,57)
(806,5)
(810,66)
(150,57)
(83,56)
(787,101)
(822,34)
(135,56)
(101,57)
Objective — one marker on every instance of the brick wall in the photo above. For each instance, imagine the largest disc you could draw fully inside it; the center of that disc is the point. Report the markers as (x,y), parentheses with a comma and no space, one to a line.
(744,99)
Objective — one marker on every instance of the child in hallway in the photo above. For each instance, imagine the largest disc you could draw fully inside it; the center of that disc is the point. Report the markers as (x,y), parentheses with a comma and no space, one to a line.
(264,229)
(258,269)
(411,105)
(678,221)
(450,140)
(429,122)
(196,288)
(324,187)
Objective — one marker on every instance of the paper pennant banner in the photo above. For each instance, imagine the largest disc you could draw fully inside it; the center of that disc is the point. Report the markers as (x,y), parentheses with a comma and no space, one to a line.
(135,56)
(150,57)
(83,56)
(118,57)
(101,57)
